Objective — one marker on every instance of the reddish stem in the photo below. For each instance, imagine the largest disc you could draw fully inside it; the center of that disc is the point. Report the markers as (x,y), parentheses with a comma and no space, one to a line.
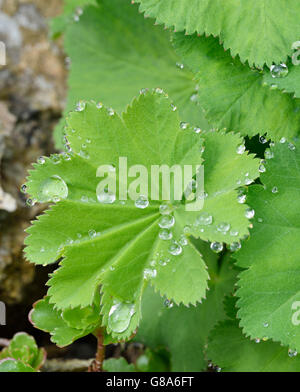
(97,364)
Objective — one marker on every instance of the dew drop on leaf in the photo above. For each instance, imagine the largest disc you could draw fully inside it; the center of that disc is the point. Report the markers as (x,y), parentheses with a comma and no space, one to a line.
(242,199)
(292,353)
(168,304)
(223,227)
(249,213)
(166,221)
(165,209)
(235,246)
(165,234)
(142,202)
(279,71)
(184,125)
(52,189)
(106,197)
(23,188)
(120,316)
(241,149)
(216,247)
(175,249)
(204,219)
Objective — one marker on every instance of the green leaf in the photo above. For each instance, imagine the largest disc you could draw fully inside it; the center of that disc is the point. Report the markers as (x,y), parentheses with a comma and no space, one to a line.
(12,365)
(118,365)
(259,32)
(232,94)
(269,288)
(23,348)
(72,9)
(117,53)
(65,326)
(232,352)
(182,330)
(288,84)
(117,245)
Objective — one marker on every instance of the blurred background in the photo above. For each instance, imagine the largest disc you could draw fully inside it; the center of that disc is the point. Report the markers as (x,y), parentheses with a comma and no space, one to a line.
(32,98)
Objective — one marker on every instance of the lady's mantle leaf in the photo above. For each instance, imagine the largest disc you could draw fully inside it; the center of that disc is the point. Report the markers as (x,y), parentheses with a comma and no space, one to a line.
(118,245)
(270,287)
(117,53)
(258,31)
(232,94)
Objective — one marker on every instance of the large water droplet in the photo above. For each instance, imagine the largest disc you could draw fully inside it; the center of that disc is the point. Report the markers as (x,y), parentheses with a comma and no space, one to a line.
(216,247)
(241,149)
(175,249)
(166,221)
(54,189)
(165,234)
(249,213)
(106,197)
(279,71)
(223,227)
(120,316)
(292,353)
(142,202)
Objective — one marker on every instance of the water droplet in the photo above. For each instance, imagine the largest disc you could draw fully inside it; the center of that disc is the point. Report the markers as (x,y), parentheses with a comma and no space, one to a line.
(92,233)
(149,273)
(257,340)
(23,188)
(242,199)
(266,325)
(262,168)
(279,71)
(41,160)
(292,353)
(275,189)
(142,202)
(291,147)
(269,154)
(197,130)
(180,65)
(42,249)
(143,91)
(84,199)
(194,97)
(120,316)
(31,202)
(175,249)
(168,304)
(282,140)
(249,213)
(184,125)
(106,197)
(165,234)
(174,108)
(241,149)
(165,209)
(234,233)
(166,221)
(216,247)
(204,219)
(263,140)
(84,154)
(52,189)
(223,227)
(260,220)
(183,240)
(159,90)
(99,105)
(235,246)
(111,112)
(80,106)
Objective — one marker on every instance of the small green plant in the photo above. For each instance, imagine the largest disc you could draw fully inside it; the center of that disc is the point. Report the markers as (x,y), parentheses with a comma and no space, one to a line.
(238,118)
(22,355)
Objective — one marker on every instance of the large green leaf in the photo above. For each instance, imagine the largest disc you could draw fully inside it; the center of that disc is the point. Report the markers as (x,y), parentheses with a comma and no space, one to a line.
(269,288)
(118,245)
(185,330)
(117,53)
(233,95)
(233,352)
(258,31)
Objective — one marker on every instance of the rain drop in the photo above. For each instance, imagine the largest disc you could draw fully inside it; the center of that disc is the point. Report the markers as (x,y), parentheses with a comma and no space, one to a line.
(165,234)
(52,189)
(249,213)
(166,221)
(279,71)
(142,202)
(216,247)
(204,219)
(106,197)
(175,249)
(120,316)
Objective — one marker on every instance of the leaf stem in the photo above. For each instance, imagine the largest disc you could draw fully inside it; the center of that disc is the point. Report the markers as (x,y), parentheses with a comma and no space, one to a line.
(97,364)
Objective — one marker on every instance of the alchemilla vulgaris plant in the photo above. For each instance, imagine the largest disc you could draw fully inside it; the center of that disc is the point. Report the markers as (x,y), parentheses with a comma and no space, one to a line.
(209,269)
